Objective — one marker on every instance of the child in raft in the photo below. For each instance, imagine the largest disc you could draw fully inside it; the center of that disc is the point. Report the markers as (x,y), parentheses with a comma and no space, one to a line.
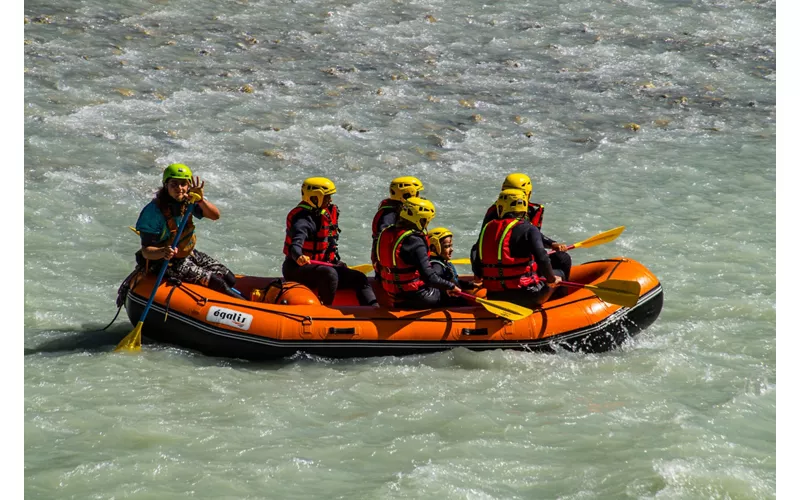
(441,245)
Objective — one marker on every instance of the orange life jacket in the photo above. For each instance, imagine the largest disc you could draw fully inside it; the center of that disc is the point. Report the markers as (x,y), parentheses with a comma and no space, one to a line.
(322,244)
(501,271)
(397,276)
(188,239)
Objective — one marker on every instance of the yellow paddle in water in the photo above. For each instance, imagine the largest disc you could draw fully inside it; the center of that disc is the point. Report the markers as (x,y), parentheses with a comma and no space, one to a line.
(501,308)
(621,292)
(598,239)
(133,341)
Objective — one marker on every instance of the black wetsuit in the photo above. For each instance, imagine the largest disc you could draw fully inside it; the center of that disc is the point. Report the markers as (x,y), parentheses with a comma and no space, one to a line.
(325,279)
(414,252)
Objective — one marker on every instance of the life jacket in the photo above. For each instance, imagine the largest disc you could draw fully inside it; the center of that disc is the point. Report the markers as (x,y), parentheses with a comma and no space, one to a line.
(397,276)
(323,244)
(387,205)
(188,239)
(450,273)
(501,271)
(535,214)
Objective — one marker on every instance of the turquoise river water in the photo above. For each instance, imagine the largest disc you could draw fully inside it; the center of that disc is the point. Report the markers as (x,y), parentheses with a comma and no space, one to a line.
(659,115)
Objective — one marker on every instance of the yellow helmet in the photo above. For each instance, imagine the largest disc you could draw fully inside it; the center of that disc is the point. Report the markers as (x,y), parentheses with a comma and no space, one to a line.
(403,188)
(511,200)
(316,188)
(418,211)
(435,236)
(518,181)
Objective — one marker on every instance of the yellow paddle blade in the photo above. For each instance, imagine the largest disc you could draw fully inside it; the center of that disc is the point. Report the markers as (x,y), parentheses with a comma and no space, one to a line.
(133,229)
(132,342)
(599,239)
(364,268)
(506,310)
(620,292)
(460,261)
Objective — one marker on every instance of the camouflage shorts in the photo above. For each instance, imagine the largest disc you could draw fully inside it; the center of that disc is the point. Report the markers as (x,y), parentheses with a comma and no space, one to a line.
(196,268)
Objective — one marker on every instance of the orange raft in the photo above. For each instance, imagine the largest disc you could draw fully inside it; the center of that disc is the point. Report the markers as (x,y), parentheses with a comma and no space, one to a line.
(201,319)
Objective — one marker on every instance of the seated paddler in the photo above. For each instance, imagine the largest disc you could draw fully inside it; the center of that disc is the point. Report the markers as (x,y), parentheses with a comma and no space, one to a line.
(559,259)
(511,258)
(159,222)
(311,246)
(441,245)
(404,259)
(400,189)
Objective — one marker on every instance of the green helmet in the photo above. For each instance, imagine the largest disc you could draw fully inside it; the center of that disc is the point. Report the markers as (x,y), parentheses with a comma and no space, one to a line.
(176,171)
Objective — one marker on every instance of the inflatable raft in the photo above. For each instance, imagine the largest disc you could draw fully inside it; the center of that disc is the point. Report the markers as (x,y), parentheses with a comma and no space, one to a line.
(201,319)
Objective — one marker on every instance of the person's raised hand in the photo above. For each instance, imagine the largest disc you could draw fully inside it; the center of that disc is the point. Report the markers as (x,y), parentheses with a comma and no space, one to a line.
(197,187)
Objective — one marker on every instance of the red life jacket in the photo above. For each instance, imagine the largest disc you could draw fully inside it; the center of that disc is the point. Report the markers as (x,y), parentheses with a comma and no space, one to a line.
(535,214)
(387,205)
(501,271)
(188,239)
(397,276)
(323,244)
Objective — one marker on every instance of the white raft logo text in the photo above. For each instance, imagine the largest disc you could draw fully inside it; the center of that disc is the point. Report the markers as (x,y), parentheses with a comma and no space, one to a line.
(230,317)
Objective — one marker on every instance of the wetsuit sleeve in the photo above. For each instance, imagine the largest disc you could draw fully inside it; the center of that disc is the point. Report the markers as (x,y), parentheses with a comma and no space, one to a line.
(415,252)
(386,220)
(547,242)
(149,239)
(197,212)
(527,240)
(438,269)
(302,226)
(477,267)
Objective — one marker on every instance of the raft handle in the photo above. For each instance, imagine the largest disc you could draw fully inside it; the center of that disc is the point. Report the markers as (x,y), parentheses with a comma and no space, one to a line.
(474,331)
(343,331)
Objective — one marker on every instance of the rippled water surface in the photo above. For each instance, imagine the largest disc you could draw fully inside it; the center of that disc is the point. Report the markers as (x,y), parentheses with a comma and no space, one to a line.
(656,115)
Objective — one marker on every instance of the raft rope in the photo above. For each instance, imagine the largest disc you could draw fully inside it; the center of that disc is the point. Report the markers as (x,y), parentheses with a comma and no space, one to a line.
(203,300)
(122,293)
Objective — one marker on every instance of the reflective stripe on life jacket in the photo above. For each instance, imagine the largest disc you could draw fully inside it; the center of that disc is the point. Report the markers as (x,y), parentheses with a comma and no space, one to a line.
(188,239)
(321,245)
(397,276)
(501,271)
(535,214)
(386,206)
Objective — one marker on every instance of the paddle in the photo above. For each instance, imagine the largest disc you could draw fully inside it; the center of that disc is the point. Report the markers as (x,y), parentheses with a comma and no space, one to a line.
(598,239)
(133,341)
(620,292)
(500,308)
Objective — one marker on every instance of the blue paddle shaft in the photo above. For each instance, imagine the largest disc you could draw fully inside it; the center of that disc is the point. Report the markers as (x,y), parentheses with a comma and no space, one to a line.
(163,270)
